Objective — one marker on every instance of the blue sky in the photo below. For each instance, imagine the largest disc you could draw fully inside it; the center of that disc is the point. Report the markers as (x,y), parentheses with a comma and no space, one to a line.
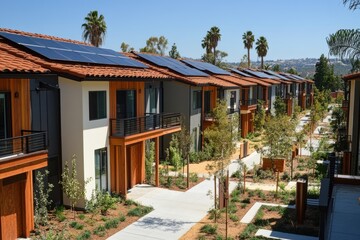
(293,28)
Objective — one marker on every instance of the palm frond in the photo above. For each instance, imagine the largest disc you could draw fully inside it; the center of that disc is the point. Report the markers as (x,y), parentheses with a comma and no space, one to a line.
(353,4)
(345,43)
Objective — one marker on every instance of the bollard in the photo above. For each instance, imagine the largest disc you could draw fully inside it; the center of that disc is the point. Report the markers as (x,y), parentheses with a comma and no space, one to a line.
(301,196)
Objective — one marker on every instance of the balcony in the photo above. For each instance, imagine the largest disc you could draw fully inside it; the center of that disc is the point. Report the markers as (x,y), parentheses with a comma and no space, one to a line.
(28,142)
(248,104)
(137,125)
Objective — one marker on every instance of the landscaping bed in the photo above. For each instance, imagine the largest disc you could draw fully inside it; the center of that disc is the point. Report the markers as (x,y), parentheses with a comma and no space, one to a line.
(84,225)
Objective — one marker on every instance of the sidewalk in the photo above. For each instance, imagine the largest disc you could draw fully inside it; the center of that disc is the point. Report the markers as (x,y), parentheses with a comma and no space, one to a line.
(174,212)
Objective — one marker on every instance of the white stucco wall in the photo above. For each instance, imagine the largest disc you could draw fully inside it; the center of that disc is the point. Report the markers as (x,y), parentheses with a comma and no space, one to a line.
(80,136)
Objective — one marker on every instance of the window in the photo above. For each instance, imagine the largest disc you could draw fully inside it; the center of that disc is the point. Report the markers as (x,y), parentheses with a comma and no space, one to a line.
(125,104)
(97,105)
(5,116)
(196,99)
(232,101)
(101,176)
(207,98)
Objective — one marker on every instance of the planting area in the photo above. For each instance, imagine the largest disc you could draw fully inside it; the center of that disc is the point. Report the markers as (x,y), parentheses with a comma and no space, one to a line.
(273,218)
(66,224)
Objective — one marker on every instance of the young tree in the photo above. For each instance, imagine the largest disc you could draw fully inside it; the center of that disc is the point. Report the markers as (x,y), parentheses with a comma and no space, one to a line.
(174,52)
(41,198)
(149,160)
(185,147)
(73,189)
(155,45)
(279,106)
(94,28)
(259,116)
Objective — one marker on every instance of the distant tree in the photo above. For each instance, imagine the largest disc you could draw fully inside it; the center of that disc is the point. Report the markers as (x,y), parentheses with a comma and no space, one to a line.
(220,55)
(261,49)
(155,45)
(126,48)
(292,71)
(248,40)
(345,43)
(276,68)
(174,52)
(267,67)
(353,4)
(355,66)
(243,61)
(324,75)
(94,28)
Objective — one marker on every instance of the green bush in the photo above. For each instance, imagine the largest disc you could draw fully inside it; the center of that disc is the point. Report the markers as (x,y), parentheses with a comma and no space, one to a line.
(234,217)
(100,230)
(112,223)
(129,202)
(59,213)
(139,211)
(180,183)
(194,177)
(209,229)
(236,174)
(248,231)
(232,208)
(243,205)
(81,216)
(76,225)
(85,235)
(246,200)
(100,201)
(122,218)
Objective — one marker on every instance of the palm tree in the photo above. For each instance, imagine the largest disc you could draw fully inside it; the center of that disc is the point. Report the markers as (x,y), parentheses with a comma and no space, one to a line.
(214,37)
(353,4)
(261,49)
(94,28)
(248,39)
(345,43)
(205,43)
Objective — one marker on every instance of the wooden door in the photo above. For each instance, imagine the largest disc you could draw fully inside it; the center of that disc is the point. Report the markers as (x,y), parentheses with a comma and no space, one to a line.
(12,200)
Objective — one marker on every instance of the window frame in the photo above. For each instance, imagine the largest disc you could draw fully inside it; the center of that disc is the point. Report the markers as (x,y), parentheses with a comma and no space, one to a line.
(97,112)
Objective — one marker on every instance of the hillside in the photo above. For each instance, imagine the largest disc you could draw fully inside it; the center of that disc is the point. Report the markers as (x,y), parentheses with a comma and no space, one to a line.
(305,66)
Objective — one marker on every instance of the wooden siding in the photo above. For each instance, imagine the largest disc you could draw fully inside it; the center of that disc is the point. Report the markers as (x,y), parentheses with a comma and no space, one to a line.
(20,104)
(140,95)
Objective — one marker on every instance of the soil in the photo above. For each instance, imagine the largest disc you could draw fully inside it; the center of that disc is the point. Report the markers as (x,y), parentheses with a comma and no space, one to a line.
(89,223)
(234,227)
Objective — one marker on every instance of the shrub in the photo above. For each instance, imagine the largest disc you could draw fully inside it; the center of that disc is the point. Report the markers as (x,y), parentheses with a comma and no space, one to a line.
(100,230)
(122,218)
(139,211)
(112,223)
(129,202)
(100,201)
(194,177)
(232,208)
(149,160)
(85,235)
(81,216)
(246,200)
(234,217)
(180,183)
(209,229)
(59,213)
(236,174)
(76,225)
(248,231)
(285,176)
(243,205)
(214,212)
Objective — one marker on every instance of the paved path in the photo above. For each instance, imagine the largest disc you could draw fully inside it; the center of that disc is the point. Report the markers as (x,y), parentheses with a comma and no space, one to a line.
(174,212)
(282,235)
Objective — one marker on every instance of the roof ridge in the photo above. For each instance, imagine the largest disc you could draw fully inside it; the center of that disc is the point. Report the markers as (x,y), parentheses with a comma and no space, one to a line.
(44,36)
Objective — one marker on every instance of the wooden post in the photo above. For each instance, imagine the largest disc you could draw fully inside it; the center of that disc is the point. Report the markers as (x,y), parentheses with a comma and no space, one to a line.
(277,182)
(157,180)
(215,197)
(188,172)
(226,203)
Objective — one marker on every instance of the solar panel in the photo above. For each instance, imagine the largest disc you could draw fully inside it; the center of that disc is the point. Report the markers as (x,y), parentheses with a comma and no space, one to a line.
(289,76)
(298,77)
(259,74)
(172,64)
(240,72)
(275,74)
(72,52)
(204,66)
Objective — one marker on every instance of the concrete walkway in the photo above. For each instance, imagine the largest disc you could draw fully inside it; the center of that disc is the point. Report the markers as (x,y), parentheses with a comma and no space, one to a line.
(282,235)
(174,212)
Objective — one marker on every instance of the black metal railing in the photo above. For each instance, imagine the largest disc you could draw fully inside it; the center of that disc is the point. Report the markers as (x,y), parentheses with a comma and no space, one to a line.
(28,142)
(248,102)
(130,126)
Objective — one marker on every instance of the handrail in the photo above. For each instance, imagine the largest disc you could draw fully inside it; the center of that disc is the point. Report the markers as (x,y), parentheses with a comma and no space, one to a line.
(30,141)
(130,126)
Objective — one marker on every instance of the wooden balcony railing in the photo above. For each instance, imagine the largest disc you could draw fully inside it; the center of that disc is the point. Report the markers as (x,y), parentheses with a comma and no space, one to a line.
(28,142)
(130,126)
(248,102)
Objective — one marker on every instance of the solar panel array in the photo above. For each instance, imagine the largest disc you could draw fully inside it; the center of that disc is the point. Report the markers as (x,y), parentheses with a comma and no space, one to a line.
(72,52)
(240,72)
(298,77)
(276,74)
(172,64)
(259,74)
(290,76)
(204,66)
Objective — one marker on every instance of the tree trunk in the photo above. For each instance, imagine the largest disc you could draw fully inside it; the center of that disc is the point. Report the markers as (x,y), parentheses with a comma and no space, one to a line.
(248,57)
(214,55)
(262,62)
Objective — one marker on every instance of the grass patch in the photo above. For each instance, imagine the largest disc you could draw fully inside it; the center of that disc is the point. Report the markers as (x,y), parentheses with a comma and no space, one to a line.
(76,225)
(84,235)
(139,211)
(208,229)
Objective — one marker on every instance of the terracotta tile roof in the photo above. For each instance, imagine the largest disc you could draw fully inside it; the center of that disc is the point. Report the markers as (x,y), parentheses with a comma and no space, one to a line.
(79,70)
(258,81)
(206,80)
(236,80)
